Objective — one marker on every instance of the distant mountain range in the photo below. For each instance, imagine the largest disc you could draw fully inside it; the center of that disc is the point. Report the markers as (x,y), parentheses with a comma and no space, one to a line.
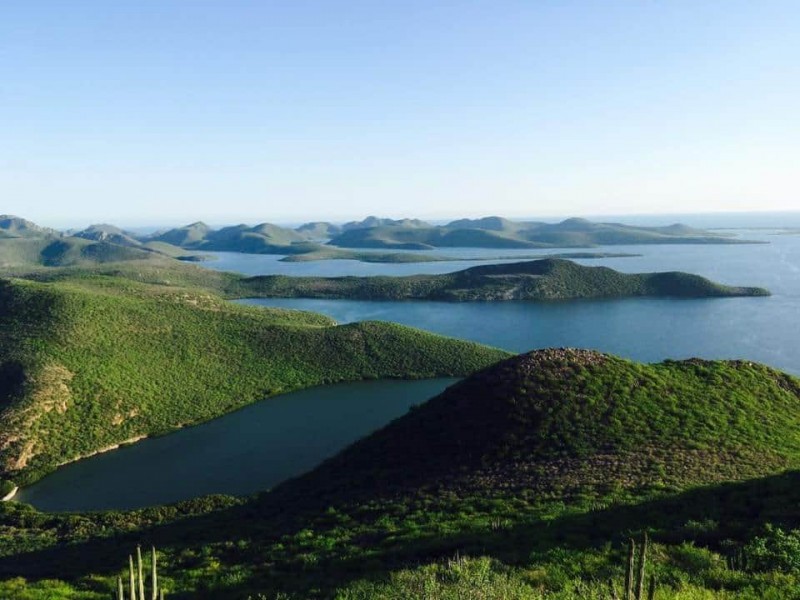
(24,242)
(497,232)
(413,234)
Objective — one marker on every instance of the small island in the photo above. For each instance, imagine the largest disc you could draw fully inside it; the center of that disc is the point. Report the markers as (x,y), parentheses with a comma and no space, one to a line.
(546,279)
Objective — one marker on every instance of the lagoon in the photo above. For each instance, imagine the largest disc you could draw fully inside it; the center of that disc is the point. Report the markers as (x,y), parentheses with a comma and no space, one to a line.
(244,452)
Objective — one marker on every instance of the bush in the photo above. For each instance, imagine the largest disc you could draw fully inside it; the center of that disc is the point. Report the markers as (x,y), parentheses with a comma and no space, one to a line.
(5,487)
(776,550)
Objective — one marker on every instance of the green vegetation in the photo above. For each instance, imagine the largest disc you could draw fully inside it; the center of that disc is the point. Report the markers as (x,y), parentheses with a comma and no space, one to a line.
(540,468)
(261,239)
(62,251)
(496,232)
(16,227)
(88,362)
(6,487)
(524,481)
(546,279)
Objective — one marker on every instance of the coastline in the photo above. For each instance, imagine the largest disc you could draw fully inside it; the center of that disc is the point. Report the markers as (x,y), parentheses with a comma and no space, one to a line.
(127,442)
(10,494)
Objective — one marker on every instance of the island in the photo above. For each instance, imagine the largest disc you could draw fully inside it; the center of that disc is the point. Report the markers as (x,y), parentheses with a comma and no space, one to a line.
(546,279)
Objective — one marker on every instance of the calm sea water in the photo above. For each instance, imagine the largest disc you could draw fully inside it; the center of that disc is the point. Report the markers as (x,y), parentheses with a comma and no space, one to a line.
(648,329)
(241,453)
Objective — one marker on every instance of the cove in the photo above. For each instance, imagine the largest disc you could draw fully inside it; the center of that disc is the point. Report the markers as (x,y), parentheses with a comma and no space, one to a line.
(244,452)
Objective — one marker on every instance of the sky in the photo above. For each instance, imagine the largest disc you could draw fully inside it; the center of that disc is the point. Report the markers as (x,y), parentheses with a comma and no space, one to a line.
(171,111)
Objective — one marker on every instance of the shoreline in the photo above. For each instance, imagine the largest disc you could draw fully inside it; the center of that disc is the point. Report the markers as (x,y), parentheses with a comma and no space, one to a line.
(10,494)
(105,449)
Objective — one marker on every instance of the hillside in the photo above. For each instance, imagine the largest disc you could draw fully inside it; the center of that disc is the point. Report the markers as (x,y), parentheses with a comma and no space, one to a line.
(259,239)
(563,421)
(90,361)
(496,232)
(110,234)
(546,279)
(318,230)
(17,227)
(544,463)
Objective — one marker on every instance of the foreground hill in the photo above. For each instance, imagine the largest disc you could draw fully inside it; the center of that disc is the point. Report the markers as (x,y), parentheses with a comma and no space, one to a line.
(496,232)
(88,362)
(544,463)
(547,279)
(563,421)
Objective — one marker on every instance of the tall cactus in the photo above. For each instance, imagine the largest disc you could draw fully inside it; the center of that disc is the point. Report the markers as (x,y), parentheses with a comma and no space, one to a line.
(629,570)
(132,577)
(153,574)
(640,572)
(634,589)
(136,585)
(141,574)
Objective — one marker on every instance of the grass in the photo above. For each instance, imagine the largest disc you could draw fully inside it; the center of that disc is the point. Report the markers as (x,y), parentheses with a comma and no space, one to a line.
(546,279)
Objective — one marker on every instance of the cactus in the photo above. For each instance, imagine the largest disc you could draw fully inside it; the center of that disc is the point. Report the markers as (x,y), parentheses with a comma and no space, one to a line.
(651,591)
(137,580)
(629,571)
(132,578)
(154,574)
(640,572)
(139,569)
(635,590)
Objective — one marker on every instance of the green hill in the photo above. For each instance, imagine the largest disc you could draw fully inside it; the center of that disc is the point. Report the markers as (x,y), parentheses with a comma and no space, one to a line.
(260,239)
(16,227)
(65,251)
(87,362)
(566,421)
(496,232)
(373,221)
(547,279)
(543,464)
(318,230)
(110,234)
(189,235)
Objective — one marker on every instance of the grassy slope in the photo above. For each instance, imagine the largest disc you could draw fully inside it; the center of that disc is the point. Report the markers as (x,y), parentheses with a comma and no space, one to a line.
(459,475)
(87,362)
(561,421)
(547,279)
(22,253)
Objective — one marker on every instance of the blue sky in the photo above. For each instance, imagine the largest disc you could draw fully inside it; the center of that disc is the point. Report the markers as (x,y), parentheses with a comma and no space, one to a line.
(159,111)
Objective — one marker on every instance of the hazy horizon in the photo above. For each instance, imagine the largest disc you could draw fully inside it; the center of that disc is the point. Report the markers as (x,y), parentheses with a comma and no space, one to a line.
(721,219)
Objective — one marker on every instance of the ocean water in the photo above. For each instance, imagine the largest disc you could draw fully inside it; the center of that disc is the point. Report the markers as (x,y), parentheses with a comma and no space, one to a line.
(648,329)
